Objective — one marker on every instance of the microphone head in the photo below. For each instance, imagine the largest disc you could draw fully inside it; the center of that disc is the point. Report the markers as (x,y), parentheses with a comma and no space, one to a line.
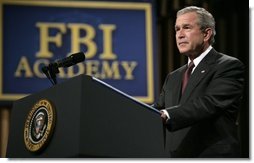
(71,60)
(78,57)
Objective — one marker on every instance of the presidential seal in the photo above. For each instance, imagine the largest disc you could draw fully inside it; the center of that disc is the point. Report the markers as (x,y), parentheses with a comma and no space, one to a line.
(39,125)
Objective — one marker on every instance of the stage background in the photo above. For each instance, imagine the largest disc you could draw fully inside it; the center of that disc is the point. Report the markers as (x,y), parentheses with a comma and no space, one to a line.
(232,26)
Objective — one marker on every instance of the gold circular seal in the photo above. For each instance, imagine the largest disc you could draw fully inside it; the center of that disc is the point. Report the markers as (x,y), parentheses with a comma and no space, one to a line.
(39,125)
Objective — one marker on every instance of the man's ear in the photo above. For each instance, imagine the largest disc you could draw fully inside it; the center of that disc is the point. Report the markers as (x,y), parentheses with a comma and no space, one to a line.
(207,34)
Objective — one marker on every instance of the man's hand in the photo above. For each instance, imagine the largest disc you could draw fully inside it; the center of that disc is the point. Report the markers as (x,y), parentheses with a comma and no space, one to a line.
(163,117)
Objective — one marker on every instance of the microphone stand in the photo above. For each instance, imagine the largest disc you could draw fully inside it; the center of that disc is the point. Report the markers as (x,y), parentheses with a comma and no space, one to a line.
(50,71)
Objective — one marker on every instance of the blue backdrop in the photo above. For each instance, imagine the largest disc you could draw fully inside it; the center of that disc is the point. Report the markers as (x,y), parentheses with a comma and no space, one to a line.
(118,39)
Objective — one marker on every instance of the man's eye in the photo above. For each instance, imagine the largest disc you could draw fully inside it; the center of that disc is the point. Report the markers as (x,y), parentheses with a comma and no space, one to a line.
(187,27)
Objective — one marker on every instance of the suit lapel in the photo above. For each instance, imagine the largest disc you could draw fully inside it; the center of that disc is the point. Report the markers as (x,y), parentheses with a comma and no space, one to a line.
(178,85)
(199,73)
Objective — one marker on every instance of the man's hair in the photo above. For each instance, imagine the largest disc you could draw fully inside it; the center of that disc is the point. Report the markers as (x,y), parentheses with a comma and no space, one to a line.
(205,19)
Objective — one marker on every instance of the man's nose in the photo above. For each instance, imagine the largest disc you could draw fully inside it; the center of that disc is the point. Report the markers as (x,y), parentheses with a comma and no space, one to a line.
(180,34)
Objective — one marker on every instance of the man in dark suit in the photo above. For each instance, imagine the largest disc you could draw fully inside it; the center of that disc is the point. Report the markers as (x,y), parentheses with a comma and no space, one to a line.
(199,105)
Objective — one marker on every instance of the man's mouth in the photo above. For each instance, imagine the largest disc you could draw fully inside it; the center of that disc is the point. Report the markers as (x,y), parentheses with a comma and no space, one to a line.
(182,43)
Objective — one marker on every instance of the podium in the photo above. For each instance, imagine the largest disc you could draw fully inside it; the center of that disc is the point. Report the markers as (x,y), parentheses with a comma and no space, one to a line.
(92,119)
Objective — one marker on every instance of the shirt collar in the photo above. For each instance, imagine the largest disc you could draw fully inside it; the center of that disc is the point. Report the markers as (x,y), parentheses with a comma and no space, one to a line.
(200,57)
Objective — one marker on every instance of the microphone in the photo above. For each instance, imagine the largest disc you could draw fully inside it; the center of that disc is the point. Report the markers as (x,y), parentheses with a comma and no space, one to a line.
(71,60)
(52,69)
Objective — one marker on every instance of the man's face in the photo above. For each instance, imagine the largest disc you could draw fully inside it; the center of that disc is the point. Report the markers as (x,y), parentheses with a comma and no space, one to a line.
(189,38)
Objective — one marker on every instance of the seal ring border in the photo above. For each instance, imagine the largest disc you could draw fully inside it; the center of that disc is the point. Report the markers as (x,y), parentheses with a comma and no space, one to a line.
(36,147)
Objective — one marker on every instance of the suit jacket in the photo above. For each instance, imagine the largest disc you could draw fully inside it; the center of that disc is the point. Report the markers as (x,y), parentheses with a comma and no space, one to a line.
(203,121)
